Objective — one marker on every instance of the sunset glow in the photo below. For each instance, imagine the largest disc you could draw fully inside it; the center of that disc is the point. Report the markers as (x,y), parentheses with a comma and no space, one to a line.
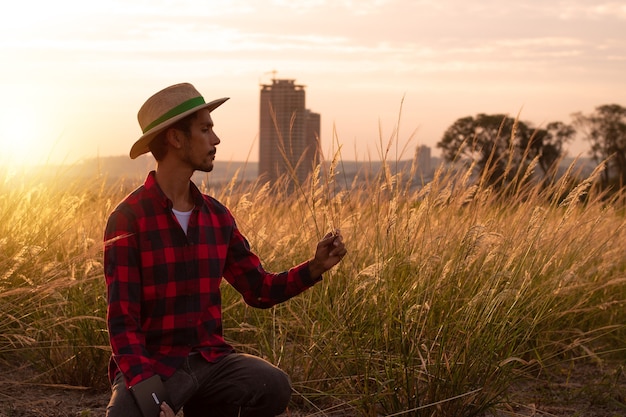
(364,64)
(27,132)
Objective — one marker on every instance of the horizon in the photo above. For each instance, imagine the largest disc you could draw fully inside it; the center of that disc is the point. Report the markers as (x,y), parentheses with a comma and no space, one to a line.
(76,73)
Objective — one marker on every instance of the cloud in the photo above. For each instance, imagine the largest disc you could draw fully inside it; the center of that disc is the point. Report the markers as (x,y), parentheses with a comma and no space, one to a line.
(591,10)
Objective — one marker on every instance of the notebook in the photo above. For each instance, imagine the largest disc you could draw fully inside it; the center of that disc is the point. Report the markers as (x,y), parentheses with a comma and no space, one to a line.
(149,394)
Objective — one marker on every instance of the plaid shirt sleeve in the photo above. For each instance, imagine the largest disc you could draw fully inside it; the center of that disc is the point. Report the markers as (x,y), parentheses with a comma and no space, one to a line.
(122,273)
(259,288)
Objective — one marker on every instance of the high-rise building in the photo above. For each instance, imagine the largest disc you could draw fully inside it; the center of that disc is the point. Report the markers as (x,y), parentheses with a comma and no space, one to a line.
(289,133)
(424,160)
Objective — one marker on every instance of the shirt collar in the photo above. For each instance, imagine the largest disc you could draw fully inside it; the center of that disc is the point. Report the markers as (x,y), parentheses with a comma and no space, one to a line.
(152,187)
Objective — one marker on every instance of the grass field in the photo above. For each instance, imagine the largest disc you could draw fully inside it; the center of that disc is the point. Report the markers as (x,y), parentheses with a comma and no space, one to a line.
(452,291)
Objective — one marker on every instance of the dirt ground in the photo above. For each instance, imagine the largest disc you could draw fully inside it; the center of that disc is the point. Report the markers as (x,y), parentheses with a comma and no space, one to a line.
(575,390)
(588,390)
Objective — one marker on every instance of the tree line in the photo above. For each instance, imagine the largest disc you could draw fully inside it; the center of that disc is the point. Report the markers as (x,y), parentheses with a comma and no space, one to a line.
(502,148)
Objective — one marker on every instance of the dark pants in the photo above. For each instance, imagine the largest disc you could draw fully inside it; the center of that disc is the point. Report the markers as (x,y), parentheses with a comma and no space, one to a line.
(237,385)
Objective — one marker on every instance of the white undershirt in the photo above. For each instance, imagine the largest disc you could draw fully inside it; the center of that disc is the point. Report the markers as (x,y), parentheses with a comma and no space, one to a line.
(183,218)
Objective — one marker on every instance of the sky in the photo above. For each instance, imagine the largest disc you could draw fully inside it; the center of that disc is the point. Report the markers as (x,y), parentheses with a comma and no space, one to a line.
(73,74)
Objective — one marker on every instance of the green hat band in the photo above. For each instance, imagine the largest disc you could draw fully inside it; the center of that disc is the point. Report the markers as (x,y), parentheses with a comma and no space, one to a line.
(181,108)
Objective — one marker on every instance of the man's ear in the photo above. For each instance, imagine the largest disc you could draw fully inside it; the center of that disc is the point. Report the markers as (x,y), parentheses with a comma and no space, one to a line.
(174,138)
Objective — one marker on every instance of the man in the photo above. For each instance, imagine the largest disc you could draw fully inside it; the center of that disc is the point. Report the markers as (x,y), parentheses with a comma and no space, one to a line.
(167,248)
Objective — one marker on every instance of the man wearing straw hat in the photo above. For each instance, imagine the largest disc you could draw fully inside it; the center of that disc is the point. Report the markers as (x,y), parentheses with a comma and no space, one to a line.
(167,248)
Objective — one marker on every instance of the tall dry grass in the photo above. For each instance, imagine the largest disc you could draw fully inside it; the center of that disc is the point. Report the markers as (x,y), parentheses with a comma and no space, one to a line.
(52,300)
(450,292)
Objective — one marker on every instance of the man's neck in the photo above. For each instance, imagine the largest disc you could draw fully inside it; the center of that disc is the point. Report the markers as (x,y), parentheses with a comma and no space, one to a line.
(175,185)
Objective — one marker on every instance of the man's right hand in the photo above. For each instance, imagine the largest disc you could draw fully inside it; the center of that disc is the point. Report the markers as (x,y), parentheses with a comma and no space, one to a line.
(166,411)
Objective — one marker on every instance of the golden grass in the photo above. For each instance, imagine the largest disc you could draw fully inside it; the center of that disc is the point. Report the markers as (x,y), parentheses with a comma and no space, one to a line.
(450,290)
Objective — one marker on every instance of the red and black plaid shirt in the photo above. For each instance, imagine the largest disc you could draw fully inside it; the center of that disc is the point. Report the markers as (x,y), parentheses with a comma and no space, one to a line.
(164,285)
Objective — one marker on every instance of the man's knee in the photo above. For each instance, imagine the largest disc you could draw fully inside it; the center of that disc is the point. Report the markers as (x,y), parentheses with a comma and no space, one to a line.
(258,387)
(279,390)
(274,380)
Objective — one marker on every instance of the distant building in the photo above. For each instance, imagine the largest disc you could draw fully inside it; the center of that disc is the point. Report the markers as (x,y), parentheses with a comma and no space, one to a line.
(312,131)
(423,159)
(289,133)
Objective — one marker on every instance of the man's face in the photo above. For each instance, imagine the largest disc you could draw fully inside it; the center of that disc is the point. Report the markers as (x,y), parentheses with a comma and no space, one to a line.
(199,147)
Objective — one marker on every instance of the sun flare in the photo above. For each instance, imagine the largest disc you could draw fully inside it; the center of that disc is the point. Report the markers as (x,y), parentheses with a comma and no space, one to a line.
(24,135)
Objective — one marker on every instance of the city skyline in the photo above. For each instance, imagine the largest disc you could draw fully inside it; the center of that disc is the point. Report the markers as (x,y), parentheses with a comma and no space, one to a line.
(75,73)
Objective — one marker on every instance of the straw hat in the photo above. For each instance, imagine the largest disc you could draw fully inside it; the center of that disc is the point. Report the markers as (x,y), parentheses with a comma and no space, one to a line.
(166,108)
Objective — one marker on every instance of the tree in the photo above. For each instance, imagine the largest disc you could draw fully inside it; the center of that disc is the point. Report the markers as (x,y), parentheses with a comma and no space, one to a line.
(605,130)
(549,144)
(502,146)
